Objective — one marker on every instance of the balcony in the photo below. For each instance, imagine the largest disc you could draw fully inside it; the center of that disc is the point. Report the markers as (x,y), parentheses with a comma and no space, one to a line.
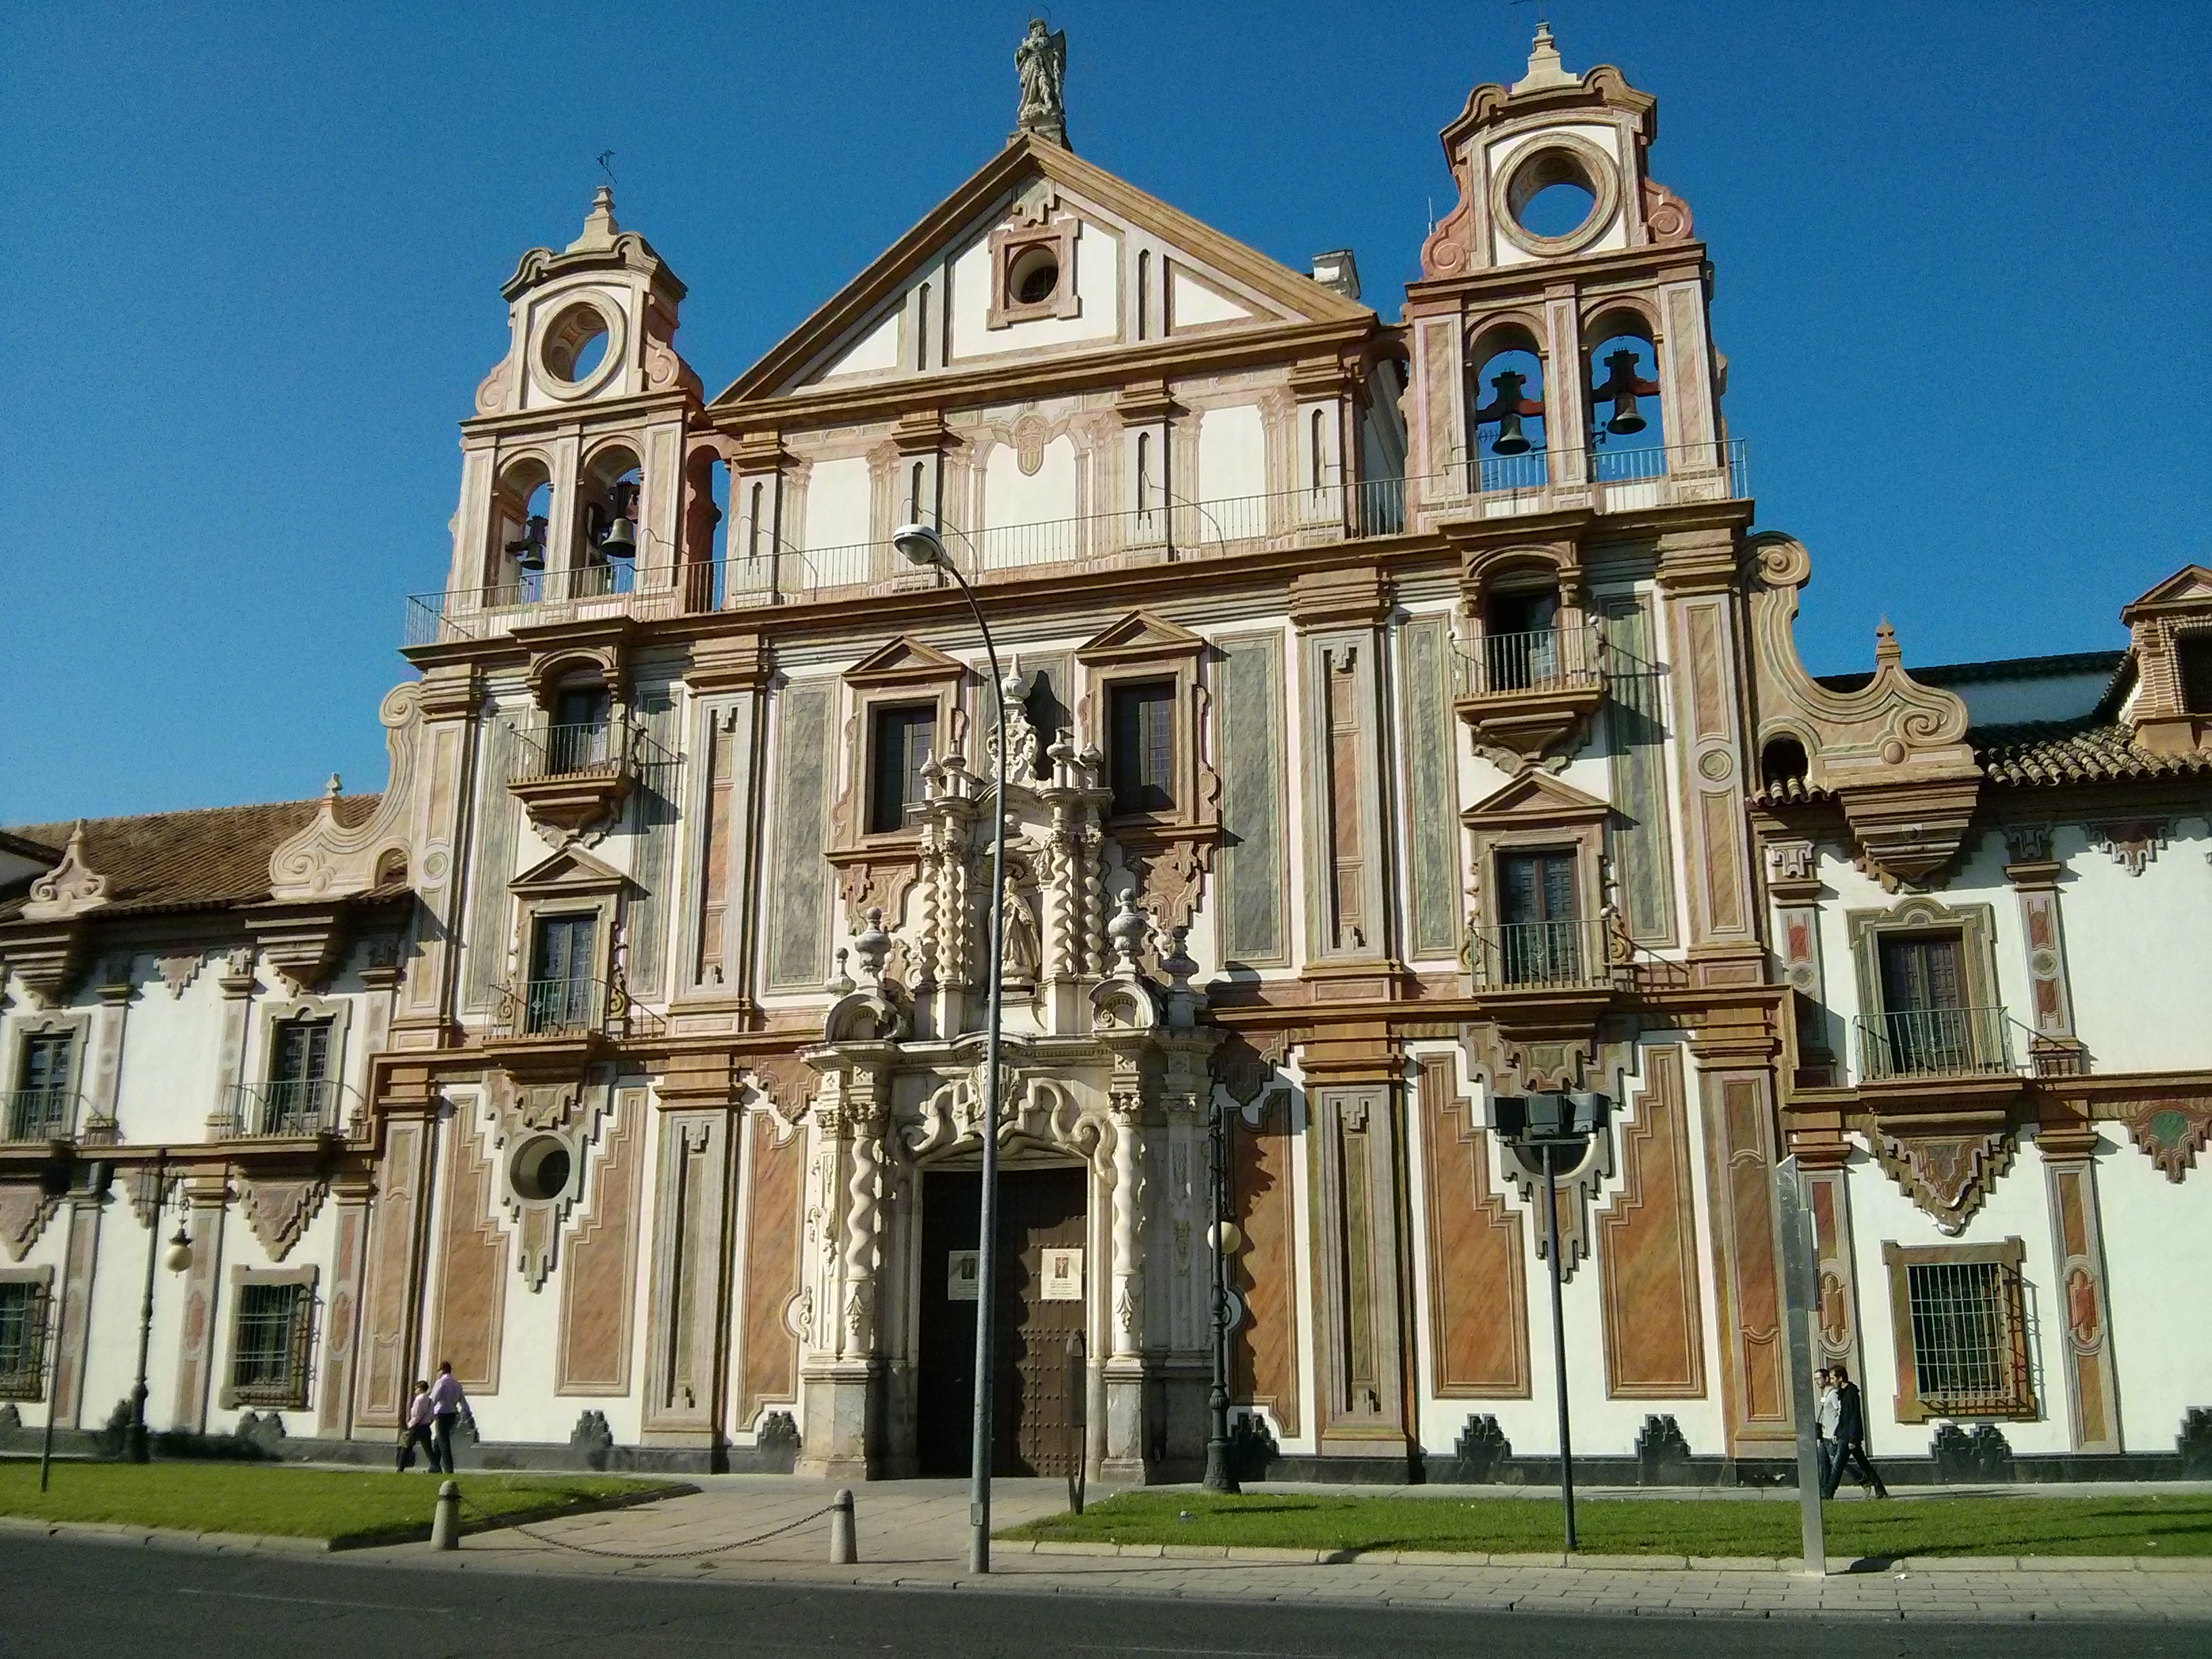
(1543,957)
(1531,693)
(41,1115)
(570,777)
(1935,1045)
(292,1109)
(771,569)
(568,1011)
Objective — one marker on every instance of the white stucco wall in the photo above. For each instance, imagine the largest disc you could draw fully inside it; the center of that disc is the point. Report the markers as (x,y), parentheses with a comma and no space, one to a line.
(2158,1242)
(1097,291)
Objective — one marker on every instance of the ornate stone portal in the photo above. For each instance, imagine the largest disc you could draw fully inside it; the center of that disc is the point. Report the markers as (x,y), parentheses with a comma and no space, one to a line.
(1104,1066)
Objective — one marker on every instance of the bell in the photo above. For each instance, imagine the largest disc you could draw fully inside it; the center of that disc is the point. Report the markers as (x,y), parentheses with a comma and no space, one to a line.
(1622,385)
(621,540)
(529,548)
(1506,407)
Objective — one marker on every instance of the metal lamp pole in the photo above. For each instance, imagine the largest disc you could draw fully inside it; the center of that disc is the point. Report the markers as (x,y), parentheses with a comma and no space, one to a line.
(1219,1477)
(919,545)
(135,1444)
(1558,1342)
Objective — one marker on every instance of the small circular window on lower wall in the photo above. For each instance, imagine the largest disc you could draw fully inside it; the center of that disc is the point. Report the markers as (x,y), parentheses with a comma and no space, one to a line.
(540,1170)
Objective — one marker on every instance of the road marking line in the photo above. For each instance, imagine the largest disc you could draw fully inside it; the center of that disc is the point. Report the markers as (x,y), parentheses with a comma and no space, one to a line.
(302,1600)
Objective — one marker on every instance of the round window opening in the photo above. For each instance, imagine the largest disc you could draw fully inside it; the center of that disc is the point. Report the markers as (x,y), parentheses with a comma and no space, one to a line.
(575,344)
(1551,195)
(540,1170)
(1035,277)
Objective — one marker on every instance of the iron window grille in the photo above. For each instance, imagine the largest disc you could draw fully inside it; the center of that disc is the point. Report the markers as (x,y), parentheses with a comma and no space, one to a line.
(23,1311)
(272,1345)
(1969,1337)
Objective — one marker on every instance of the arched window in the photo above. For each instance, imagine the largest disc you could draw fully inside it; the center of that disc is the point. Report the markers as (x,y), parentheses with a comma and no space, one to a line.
(522,510)
(1782,763)
(1507,436)
(610,514)
(1319,442)
(1628,426)
(1144,474)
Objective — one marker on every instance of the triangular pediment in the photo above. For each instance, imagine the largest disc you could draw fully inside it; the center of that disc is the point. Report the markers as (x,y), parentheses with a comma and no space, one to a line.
(1139,634)
(1536,797)
(569,871)
(2190,584)
(904,660)
(881,326)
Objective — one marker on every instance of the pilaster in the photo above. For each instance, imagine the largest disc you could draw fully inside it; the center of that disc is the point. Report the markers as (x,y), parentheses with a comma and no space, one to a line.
(2055,1050)
(2069,1167)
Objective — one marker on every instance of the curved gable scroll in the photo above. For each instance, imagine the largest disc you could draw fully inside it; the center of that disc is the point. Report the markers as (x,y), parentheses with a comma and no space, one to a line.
(327,860)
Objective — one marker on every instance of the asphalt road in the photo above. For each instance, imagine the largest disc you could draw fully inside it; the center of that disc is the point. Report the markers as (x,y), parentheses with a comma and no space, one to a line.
(71,1598)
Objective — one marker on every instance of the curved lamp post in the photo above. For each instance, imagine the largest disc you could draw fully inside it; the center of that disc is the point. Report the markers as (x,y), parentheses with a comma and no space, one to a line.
(1227,1240)
(180,1257)
(921,546)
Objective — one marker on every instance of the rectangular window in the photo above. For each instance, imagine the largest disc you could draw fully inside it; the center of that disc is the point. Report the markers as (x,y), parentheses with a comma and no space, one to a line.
(1521,642)
(40,1110)
(562,960)
(576,738)
(901,740)
(1141,762)
(23,1308)
(298,1078)
(269,1347)
(2195,651)
(1969,1345)
(1926,1029)
(1538,943)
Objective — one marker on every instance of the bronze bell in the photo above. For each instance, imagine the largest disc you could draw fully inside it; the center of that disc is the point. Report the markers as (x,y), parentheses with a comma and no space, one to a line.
(1622,386)
(620,541)
(1507,407)
(529,548)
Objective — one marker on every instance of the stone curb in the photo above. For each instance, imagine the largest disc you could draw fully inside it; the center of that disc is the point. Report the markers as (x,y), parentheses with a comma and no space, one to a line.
(117,1532)
(1862,1566)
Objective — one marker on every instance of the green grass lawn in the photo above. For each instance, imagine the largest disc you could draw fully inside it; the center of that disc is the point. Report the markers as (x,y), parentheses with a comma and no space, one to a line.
(2137,1525)
(292,1503)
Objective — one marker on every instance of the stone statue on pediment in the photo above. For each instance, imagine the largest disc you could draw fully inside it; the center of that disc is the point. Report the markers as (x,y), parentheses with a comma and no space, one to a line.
(1040,61)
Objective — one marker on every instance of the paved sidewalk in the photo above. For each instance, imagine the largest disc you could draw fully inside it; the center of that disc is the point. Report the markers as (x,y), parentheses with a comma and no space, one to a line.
(914,1533)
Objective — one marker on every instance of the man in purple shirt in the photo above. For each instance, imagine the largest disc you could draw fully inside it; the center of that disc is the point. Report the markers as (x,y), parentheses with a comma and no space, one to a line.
(448,1404)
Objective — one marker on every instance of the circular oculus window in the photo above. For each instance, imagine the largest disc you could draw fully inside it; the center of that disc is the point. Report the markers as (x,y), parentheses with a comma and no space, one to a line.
(1034,276)
(1556,196)
(577,347)
(540,1170)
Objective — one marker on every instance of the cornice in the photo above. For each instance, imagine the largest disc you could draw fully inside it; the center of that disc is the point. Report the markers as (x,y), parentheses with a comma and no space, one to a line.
(582,417)
(1431,295)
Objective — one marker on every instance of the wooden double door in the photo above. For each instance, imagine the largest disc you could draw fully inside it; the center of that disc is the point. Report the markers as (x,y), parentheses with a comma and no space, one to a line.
(1037,1396)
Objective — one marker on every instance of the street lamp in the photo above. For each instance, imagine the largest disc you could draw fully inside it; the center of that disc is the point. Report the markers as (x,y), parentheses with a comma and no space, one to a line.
(180,1257)
(1547,1124)
(1226,1240)
(921,546)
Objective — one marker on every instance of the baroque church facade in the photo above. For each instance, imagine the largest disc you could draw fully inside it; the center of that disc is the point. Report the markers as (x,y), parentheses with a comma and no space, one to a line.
(1400,719)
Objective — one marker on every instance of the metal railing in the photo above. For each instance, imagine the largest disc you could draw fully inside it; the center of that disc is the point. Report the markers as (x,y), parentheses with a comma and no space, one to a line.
(1564,956)
(40,1114)
(569,1008)
(1926,1042)
(586,750)
(1547,659)
(287,1107)
(1614,470)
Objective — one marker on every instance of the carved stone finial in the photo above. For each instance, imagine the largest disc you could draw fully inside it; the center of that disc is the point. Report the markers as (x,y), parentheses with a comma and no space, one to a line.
(71,886)
(1885,643)
(841,982)
(1545,68)
(872,947)
(1041,61)
(1127,934)
(599,225)
(1177,963)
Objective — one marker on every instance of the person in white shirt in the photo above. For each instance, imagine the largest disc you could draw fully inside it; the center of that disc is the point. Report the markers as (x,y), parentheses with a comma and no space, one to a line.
(448,1405)
(1825,1419)
(415,1430)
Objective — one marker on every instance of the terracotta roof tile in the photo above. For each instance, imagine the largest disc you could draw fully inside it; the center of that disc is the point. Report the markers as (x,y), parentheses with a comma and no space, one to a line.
(2056,752)
(210,859)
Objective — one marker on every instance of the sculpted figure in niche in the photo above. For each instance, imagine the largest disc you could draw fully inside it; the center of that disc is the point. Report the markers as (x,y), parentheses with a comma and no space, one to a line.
(1040,61)
(1021,952)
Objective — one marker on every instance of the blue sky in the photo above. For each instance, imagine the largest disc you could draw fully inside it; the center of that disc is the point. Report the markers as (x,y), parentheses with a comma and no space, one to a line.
(254,251)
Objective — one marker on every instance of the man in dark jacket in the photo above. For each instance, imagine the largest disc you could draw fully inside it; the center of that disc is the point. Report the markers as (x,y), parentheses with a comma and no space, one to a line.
(1850,1438)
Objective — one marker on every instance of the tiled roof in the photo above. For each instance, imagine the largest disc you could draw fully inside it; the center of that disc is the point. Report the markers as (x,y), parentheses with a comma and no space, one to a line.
(2046,752)
(211,859)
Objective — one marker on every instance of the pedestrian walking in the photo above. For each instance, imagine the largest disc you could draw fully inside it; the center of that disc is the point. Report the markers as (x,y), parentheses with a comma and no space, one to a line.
(415,1430)
(448,1405)
(1850,1438)
(1826,1408)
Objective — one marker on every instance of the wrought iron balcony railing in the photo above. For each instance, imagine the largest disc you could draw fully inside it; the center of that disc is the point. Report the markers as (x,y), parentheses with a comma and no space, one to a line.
(1533,955)
(588,749)
(287,1107)
(570,1008)
(1547,660)
(40,1114)
(1934,1042)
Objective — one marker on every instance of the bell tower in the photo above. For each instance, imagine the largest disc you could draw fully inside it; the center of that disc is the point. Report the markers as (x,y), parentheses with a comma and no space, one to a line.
(1560,352)
(572,472)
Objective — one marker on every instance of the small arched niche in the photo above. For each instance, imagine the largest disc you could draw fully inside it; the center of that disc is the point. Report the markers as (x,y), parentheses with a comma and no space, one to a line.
(1507,436)
(1782,764)
(706,519)
(522,510)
